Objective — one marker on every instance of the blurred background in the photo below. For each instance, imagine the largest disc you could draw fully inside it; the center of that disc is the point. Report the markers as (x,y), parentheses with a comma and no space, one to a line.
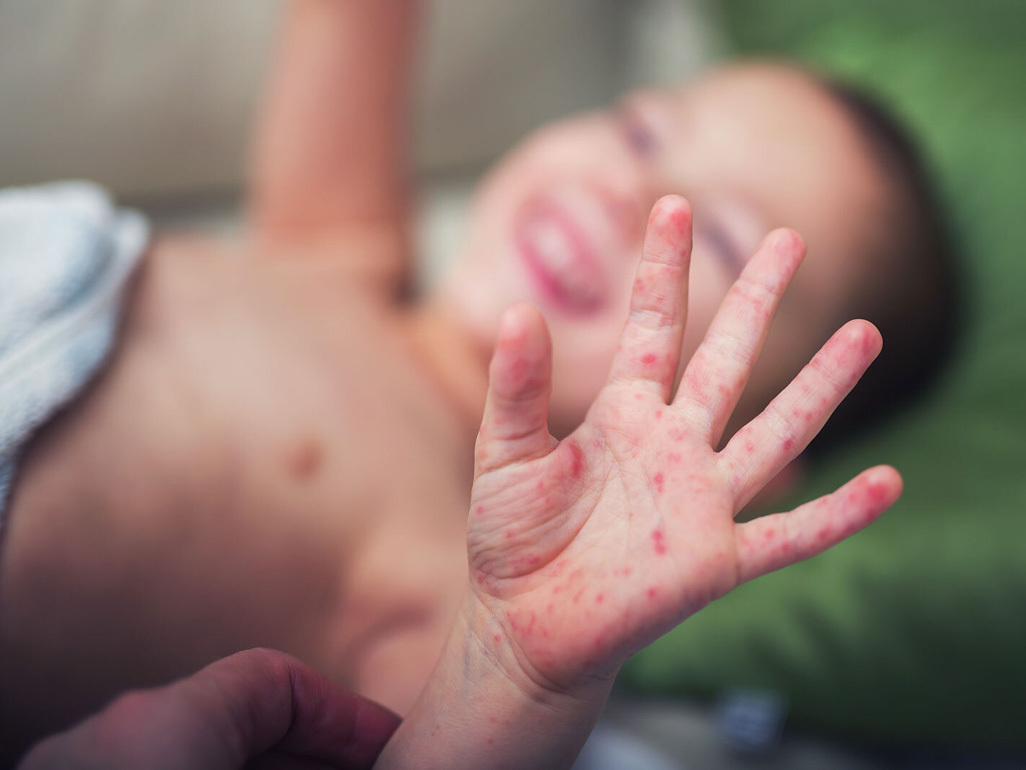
(908,640)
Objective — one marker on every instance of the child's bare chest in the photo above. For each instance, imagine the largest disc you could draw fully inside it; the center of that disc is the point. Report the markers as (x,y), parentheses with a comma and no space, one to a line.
(261,464)
(320,421)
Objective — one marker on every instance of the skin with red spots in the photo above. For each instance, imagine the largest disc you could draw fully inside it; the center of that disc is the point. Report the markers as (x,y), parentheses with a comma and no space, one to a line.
(518,368)
(680,220)
(577,460)
(596,545)
(659,542)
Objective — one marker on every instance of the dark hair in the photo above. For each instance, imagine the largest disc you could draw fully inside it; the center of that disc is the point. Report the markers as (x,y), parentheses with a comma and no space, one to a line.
(920,306)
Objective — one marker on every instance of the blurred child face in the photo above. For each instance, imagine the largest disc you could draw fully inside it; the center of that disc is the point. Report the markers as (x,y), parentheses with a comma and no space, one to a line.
(559,222)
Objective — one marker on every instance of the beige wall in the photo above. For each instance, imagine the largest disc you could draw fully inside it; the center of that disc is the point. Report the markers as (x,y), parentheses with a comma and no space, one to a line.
(155,97)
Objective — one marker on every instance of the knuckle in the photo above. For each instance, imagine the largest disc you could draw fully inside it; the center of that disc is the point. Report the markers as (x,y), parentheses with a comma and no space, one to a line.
(652,317)
(780,427)
(826,370)
(726,344)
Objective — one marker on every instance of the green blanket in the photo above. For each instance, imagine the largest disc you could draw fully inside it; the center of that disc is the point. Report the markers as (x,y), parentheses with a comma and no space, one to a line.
(914,630)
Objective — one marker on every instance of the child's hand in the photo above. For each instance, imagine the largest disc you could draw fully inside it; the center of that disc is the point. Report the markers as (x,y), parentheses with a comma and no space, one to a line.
(585,550)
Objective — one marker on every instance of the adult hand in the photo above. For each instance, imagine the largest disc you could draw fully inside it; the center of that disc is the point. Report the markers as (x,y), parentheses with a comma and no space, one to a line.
(257,709)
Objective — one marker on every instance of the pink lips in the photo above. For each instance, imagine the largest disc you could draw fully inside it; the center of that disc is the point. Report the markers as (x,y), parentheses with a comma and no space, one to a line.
(558,258)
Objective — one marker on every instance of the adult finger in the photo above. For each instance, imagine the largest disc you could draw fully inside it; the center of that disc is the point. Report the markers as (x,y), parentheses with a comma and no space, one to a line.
(757,452)
(275,760)
(771,542)
(262,698)
(650,345)
(717,373)
(234,709)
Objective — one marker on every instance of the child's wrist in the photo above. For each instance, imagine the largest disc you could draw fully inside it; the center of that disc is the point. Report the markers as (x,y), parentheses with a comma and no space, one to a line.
(482,707)
(487,637)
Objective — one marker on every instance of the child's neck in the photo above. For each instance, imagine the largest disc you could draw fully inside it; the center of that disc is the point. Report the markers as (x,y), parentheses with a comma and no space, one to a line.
(453,360)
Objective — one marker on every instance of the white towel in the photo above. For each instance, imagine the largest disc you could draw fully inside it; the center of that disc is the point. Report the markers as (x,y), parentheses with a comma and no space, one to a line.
(66,254)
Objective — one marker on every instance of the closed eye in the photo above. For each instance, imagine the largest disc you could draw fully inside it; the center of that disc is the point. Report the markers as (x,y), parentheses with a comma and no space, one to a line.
(639,137)
(723,245)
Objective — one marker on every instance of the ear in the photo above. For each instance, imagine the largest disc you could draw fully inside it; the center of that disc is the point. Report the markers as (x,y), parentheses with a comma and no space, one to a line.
(779,487)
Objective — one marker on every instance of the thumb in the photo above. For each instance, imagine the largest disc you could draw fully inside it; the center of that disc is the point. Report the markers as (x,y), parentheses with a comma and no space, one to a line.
(234,709)
(515,423)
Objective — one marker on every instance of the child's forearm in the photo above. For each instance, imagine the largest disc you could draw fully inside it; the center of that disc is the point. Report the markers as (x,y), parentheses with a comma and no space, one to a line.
(480,710)
(331,144)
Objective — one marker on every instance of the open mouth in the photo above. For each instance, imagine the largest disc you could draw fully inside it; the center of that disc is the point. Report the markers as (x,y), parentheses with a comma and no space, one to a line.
(558,258)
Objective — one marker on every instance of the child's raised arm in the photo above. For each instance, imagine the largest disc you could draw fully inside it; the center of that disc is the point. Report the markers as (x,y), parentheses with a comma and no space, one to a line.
(330,149)
(585,550)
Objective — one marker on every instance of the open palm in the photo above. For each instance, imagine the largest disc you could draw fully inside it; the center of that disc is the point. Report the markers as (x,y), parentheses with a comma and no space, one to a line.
(585,550)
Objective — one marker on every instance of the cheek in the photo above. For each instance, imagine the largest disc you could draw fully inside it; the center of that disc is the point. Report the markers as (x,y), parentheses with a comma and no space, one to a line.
(536,162)
(701,310)
(708,284)
(582,355)
(580,149)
